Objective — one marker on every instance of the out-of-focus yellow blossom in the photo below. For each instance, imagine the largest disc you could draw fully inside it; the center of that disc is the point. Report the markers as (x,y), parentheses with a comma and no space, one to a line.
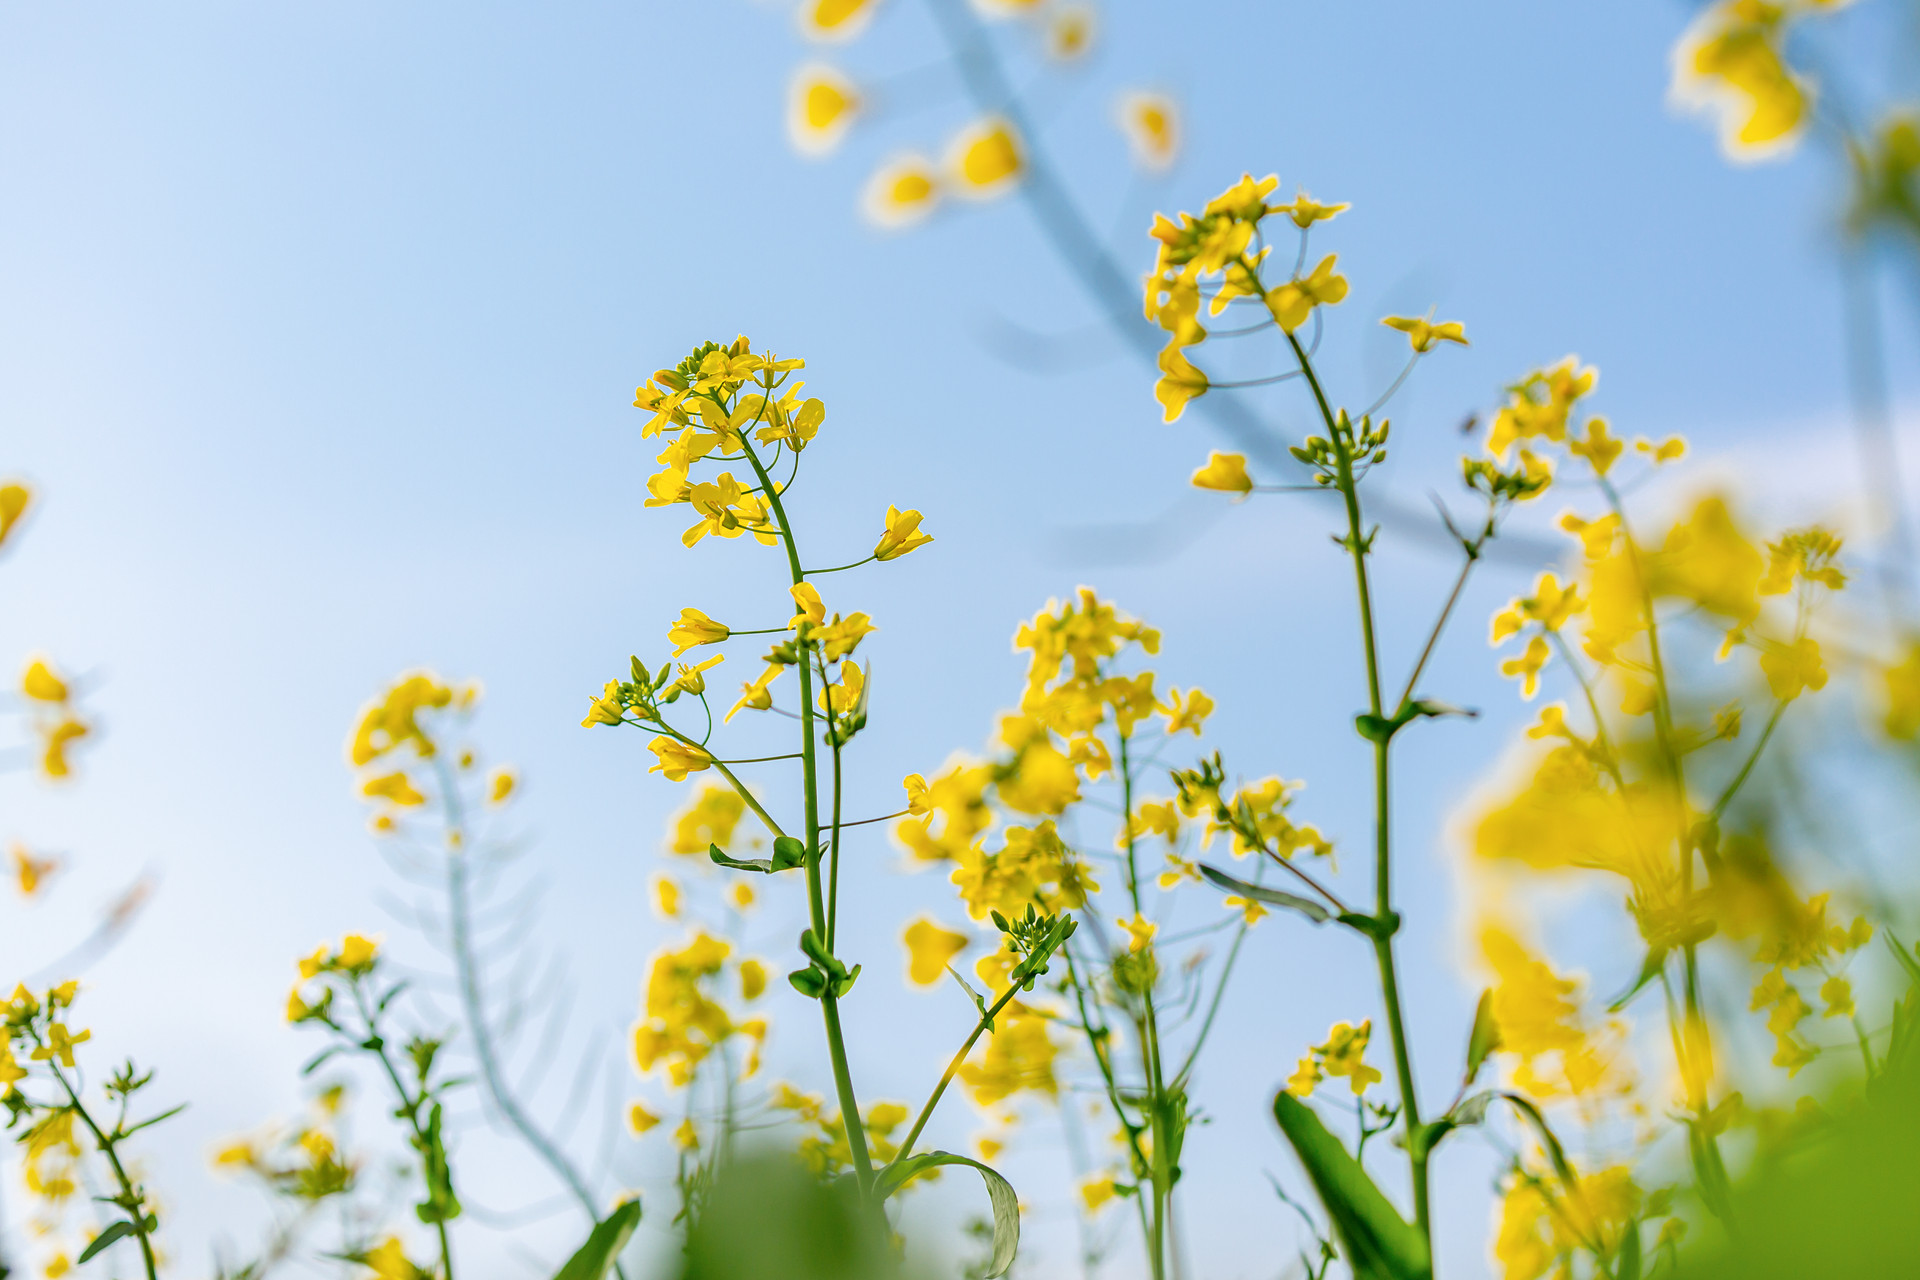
(1139,930)
(10,1069)
(1226,472)
(1598,446)
(15,498)
(53,756)
(930,949)
(822,105)
(395,788)
(682,1023)
(1070,31)
(1305,211)
(710,818)
(1901,717)
(59,1045)
(41,684)
(1250,909)
(1150,122)
(836,19)
(1019,1059)
(1342,1056)
(666,897)
(30,872)
(1423,333)
(753,979)
(1097,1191)
(1161,818)
(901,192)
(902,535)
(1669,450)
(1836,993)
(954,803)
(1526,667)
(1793,668)
(1538,406)
(1178,870)
(1293,302)
(1803,555)
(1542,1225)
(985,159)
(1033,866)
(1731,61)
(500,785)
(1186,711)
(677,759)
(393,721)
(639,1119)
(695,628)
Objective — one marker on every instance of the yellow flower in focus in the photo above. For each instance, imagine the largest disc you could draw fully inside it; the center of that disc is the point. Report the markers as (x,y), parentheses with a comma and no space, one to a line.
(1180,381)
(843,635)
(1140,931)
(902,535)
(1424,333)
(756,694)
(1293,302)
(41,684)
(806,597)
(901,192)
(835,19)
(14,501)
(1070,31)
(822,105)
(693,678)
(695,628)
(1341,1056)
(1097,1191)
(30,872)
(500,785)
(677,759)
(930,949)
(639,1119)
(1792,669)
(607,708)
(1226,472)
(1150,122)
(666,897)
(985,159)
(844,696)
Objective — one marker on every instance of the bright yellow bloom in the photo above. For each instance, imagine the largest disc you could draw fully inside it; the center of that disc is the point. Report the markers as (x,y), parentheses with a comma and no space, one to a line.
(1305,211)
(806,597)
(844,696)
(1668,450)
(29,872)
(53,758)
(41,684)
(757,694)
(1019,1059)
(1731,62)
(677,759)
(1150,122)
(666,897)
(10,1070)
(1226,472)
(1342,1055)
(1187,711)
(902,535)
(1539,405)
(1424,333)
(1599,448)
(708,819)
(686,1137)
(901,192)
(836,19)
(59,1045)
(501,785)
(357,953)
(1526,667)
(394,787)
(985,158)
(822,105)
(14,501)
(930,949)
(693,678)
(1097,1191)
(741,894)
(695,628)
(1180,381)
(681,1022)
(726,510)
(639,1119)
(1250,909)
(1792,669)
(753,979)
(393,721)
(843,635)
(1293,302)
(1140,931)
(606,709)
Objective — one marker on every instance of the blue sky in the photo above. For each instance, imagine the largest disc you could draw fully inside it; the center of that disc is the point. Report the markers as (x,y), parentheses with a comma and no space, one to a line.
(318,332)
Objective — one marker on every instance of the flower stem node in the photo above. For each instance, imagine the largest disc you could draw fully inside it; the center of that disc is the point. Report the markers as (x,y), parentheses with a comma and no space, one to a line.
(826,973)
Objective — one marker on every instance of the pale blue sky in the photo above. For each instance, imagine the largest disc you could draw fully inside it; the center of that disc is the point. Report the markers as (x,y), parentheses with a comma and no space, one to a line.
(318,331)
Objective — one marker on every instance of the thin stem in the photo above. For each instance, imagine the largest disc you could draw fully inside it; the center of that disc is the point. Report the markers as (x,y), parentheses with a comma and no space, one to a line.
(732,780)
(1206,1024)
(409,1111)
(1753,758)
(946,1078)
(136,1200)
(839,568)
(1433,637)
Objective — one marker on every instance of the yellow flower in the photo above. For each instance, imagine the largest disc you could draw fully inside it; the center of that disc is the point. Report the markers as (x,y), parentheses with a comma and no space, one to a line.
(1140,931)
(1293,302)
(1599,448)
(1794,668)
(1730,62)
(57,1266)
(639,1119)
(500,785)
(756,694)
(666,897)
(389,1261)
(1341,1055)
(1668,450)
(836,19)
(10,1070)
(1226,472)
(1305,1078)
(741,895)
(1097,1191)
(1250,909)
(930,949)
(726,510)
(1070,30)
(395,787)
(357,953)
(806,597)
(1187,711)
(1019,1059)
(677,759)
(901,192)
(1526,667)
(1901,719)
(14,501)
(753,979)
(393,721)
(695,628)
(41,684)
(29,872)
(1305,211)
(53,760)
(1150,123)
(1539,404)
(693,678)
(1179,382)
(686,1137)
(822,105)
(902,535)
(708,819)
(985,158)
(1424,333)
(606,709)
(843,635)
(844,696)
(60,1043)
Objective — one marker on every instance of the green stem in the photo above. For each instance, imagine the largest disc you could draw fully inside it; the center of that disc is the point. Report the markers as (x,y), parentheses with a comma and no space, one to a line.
(829,1004)
(1753,758)
(1382,808)
(409,1111)
(953,1069)
(136,1201)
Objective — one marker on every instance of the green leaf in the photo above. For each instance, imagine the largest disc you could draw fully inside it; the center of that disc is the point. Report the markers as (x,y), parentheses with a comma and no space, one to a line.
(1555,1152)
(788,851)
(1380,1244)
(1485,1037)
(1260,893)
(1649,970)
(765,866)
(604,1243)
(114,1233)
(1626,1259)
(1006,1205)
